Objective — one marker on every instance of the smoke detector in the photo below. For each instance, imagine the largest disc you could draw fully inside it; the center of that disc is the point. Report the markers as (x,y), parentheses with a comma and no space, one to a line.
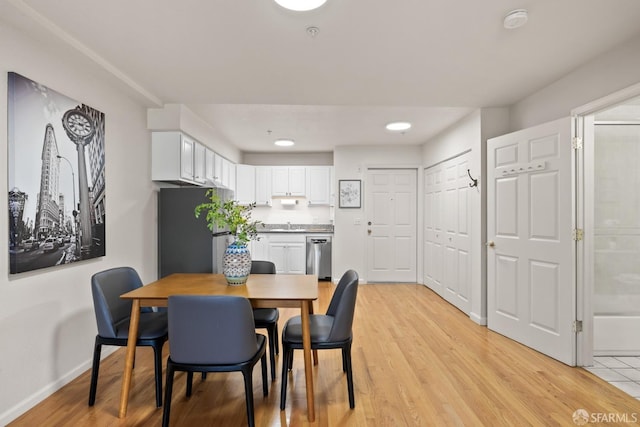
(515,19)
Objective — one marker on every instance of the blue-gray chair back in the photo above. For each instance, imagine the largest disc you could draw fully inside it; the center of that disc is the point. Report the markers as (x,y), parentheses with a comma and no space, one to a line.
(113,315)
(211,329)
(263,267)
(113,312)
(342,306)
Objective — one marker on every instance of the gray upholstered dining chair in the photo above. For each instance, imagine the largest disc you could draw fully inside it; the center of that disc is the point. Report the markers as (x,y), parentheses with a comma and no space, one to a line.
(267,318)
(328,331)
(112,316)
(213,333)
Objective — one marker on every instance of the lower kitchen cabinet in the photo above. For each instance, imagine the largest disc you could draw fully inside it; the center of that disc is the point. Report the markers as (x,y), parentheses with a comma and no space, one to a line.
(286,251)
(260,248)
(289,257)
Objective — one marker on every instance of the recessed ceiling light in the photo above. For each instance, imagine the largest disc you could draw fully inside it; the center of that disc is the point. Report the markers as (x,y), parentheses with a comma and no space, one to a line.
(398,126)
(284,142)
(515,19)
(300,5)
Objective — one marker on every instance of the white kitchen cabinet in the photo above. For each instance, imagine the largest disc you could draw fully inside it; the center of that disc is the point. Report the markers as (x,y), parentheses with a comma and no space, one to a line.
(245,184)
(288,181)
(173,157)
(260,248)
(225,173)
(232,176)
(199,163)
(209,165)
(263,185)
(217,169)
(319,185)
(287,252)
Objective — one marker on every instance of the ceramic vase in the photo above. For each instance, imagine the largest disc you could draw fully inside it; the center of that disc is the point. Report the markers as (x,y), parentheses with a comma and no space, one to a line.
(236,264)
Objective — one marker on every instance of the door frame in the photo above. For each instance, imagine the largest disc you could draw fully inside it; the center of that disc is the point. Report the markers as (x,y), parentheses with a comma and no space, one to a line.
(584,203)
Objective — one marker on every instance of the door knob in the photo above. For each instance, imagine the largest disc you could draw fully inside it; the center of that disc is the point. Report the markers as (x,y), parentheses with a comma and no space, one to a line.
(369,223)
(490,244)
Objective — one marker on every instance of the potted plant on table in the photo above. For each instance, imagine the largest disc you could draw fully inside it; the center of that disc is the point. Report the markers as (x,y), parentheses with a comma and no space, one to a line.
(237,219)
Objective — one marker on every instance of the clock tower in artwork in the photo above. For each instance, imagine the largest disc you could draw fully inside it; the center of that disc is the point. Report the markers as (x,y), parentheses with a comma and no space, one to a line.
(80,129)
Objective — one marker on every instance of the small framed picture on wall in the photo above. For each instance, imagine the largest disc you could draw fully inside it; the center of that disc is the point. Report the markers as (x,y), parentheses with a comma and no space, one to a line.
(350,193)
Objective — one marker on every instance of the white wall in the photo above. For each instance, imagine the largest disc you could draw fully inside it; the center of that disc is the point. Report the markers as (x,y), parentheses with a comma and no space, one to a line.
(288,159)
(351,162)
(47,325)
(301,213)
(608,73)
(178,117)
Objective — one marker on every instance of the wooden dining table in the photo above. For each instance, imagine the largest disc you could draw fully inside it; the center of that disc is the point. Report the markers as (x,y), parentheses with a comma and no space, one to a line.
(262,290)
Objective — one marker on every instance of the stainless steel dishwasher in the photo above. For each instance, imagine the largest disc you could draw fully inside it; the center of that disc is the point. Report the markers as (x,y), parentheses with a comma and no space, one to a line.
(319,256)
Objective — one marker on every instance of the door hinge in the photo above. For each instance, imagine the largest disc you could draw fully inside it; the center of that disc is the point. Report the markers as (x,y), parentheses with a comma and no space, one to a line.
(576,143)
(578,234)
(577,326)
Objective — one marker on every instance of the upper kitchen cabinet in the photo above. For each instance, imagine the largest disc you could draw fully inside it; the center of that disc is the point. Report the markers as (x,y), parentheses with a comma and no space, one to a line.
(263,185)
(210,168)
(319,185)
(245,184)
(177,158)
(199,163)
(220,171)
(288,181)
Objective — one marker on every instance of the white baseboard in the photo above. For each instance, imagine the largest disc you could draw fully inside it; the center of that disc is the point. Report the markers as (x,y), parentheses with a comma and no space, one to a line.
(478,319)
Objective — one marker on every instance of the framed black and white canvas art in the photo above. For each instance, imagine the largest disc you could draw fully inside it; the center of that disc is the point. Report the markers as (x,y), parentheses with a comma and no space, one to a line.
(56,178)
(349,191)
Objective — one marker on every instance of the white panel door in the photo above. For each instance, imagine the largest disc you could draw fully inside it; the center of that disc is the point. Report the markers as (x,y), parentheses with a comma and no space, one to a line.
(447,240)
(432,229)
(530,256)
(456,241)
(391,206)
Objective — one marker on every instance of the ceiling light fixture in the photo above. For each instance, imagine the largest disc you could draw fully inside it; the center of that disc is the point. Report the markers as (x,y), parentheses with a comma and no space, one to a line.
(284,142)
(515,19)
(301,5)
(398,126)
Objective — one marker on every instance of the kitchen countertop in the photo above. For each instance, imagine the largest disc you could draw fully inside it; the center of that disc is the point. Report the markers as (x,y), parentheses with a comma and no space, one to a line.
(296,228)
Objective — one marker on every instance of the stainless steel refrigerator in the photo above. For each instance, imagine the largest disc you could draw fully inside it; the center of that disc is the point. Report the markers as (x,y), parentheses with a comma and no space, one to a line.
(185,244)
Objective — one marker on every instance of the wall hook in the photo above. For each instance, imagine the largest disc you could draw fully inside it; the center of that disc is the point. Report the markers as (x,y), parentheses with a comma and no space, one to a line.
(475,181)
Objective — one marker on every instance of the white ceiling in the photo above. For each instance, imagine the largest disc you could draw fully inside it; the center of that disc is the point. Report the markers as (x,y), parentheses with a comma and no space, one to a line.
(249,67)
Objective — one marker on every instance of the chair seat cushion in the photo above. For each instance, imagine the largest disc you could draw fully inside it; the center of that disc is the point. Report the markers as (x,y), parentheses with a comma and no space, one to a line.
(265,315)
(152,325)
(319,326)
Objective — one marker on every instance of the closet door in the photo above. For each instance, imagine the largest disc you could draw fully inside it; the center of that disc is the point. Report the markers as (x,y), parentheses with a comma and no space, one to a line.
(447,262)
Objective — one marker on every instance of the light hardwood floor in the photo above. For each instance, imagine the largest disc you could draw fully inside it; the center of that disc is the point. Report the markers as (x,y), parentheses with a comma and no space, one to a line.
(417,361)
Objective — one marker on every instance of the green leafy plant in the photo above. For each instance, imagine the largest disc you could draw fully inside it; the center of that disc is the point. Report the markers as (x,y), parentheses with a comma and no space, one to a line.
(229,214)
